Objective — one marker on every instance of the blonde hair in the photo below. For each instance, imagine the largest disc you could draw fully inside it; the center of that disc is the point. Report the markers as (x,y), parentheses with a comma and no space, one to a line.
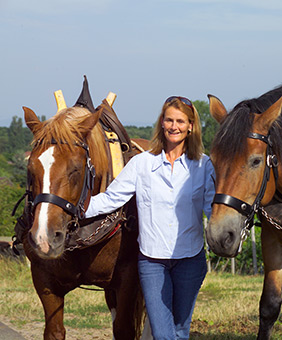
(193,146)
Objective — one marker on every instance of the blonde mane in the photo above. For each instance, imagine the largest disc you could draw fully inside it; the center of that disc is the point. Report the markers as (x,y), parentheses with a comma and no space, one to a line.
(67,128)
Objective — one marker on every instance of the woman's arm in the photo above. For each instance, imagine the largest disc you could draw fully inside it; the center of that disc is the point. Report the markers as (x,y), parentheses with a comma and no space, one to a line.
(117,194)
(209,188)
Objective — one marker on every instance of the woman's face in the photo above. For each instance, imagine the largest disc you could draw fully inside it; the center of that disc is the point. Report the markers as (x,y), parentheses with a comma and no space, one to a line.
(176,126)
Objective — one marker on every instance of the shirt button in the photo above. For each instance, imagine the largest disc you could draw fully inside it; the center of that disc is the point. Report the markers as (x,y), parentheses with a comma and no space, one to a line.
(170,225)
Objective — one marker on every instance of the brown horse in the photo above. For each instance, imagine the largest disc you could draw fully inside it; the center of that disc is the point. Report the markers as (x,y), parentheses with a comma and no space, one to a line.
(247,155)
(69,163)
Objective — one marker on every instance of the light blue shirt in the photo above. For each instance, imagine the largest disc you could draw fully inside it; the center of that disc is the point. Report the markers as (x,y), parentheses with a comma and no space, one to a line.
(170,202)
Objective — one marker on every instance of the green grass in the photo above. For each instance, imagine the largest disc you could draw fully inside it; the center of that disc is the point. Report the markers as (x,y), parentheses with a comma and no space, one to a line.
(226,308)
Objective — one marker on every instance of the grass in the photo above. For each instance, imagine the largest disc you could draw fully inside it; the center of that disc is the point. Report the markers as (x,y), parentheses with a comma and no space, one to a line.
(226,308)
(20,303)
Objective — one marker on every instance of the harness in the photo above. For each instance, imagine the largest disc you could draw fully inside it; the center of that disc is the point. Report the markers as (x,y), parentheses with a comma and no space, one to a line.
(242,207)
(83,232)
(77,211)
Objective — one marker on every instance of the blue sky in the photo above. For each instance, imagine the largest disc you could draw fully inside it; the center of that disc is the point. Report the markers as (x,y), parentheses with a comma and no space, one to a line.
(143,50)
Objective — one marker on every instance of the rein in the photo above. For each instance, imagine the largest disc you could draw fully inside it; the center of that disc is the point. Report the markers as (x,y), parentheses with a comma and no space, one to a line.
(243,207)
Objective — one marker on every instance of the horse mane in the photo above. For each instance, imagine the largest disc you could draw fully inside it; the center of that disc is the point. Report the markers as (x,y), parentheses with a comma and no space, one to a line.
(231,138)
(67,128)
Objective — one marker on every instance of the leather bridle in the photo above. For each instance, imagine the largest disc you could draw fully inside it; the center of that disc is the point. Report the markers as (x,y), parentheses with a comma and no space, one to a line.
(76,211)
(243,207)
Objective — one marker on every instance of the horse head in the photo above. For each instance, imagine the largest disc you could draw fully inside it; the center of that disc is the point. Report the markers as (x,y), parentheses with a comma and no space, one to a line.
(59,168)
(244,157)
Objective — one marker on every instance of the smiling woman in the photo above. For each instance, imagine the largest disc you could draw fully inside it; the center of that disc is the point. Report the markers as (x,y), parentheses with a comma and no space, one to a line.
(173,186)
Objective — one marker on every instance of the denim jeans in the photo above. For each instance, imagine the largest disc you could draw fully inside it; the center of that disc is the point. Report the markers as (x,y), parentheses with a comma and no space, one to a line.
(170,289)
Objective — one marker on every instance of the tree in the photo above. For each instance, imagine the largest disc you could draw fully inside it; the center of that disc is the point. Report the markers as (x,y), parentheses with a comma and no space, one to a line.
(209,125)
(19,168)
(6,168)
(9,195)
(139,132)
(4,139)
(16,135)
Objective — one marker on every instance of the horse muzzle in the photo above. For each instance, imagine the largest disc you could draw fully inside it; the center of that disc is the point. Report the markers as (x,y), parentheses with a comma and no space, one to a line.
(224,235)
(47,235)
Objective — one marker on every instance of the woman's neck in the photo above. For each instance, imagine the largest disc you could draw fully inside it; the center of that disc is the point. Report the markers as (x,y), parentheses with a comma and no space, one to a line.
(172,153)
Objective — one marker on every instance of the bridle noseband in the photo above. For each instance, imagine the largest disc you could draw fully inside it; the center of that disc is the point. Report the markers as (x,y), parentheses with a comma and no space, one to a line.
(243,207)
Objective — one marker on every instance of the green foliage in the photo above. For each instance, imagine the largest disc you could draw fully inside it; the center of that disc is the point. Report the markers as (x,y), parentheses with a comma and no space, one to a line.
(139,132)
(9,195)
(14,138)
(19,168)
(4,139)
(6,168)
(209,125)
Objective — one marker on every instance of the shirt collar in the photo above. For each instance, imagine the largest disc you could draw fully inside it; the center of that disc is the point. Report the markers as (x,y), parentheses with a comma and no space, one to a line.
(161,159)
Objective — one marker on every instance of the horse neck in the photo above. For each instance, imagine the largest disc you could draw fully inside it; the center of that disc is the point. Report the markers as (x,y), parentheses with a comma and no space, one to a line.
(279,179)
(99,158)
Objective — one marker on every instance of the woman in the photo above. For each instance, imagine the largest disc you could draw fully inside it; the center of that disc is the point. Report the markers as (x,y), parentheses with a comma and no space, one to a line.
(173,185)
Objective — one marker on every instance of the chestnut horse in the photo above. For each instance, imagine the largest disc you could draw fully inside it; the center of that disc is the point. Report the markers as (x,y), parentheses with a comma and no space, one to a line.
(247,155)
(69,155)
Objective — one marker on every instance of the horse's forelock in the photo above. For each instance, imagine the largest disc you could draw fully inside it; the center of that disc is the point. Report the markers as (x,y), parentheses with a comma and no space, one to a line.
(66,128)
(231,138)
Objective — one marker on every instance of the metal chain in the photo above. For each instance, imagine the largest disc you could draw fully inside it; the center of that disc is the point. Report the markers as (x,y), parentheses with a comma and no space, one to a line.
(270,219)
(111,217)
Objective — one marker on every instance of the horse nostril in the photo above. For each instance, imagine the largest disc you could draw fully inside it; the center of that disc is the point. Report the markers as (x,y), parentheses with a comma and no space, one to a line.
(59,237)
(228,240)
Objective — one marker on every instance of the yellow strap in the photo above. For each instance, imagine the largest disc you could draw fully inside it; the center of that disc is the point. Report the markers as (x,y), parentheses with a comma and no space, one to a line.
(115,148)
(116,153)
(61,104)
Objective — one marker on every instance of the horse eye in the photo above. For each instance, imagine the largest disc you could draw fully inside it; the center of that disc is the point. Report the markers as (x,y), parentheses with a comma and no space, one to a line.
(256,162)
(74,172)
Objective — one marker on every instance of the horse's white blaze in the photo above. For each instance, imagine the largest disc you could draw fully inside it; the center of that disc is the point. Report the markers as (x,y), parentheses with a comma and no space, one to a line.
(47,160)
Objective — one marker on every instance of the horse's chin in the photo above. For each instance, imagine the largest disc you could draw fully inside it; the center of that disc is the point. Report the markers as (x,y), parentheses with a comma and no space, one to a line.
(224,236)
(53,254)
(46,251)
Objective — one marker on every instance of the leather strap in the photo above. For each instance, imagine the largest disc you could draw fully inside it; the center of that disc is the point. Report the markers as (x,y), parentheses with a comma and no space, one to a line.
(233,202)
(60,202)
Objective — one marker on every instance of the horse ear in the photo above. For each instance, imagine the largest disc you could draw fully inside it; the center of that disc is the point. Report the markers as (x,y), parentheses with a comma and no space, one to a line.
(266,119)
(217,109)
(89,122)
(31,120)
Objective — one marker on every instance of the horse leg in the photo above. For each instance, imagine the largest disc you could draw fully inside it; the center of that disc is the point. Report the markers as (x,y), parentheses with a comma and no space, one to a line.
(52,303)
(122,311)
(270,302)
(126,306)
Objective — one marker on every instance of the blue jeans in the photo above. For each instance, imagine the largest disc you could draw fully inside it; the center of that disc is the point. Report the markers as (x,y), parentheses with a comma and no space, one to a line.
(170,289)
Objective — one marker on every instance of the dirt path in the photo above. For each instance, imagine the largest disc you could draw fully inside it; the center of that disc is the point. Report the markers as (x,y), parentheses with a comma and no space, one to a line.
(34,331)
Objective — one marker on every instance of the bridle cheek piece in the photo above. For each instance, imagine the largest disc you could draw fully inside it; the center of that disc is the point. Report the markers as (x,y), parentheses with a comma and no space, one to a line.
(243,207)
(77,211)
